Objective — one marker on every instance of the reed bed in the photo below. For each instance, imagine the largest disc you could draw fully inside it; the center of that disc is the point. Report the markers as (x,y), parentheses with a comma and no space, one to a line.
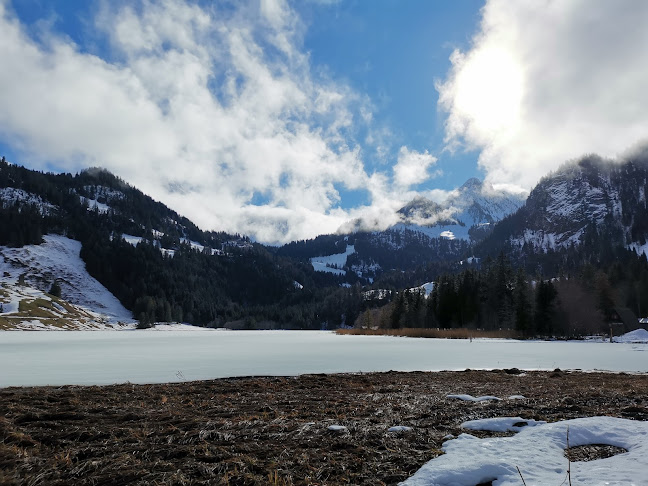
(418,332)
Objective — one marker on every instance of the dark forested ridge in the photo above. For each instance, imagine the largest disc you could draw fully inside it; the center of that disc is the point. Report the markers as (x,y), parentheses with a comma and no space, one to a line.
(563,264)
(176,271)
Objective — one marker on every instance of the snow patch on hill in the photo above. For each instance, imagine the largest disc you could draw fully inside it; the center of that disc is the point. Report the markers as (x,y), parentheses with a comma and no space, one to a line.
(11,195)
(450,232)
(94,205)
(639,248)
(132,240)
(58,259)
(332,263)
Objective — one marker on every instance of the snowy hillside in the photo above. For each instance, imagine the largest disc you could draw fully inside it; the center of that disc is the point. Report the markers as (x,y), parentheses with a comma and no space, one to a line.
(28,272)
(11,195)
(592,196)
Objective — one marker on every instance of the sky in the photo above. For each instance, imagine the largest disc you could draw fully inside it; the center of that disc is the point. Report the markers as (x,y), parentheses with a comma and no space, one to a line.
(283,120)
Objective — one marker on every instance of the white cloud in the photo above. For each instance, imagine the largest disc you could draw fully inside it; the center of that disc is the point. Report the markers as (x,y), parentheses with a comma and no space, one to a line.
(201,108)
(412,167)
(549,81)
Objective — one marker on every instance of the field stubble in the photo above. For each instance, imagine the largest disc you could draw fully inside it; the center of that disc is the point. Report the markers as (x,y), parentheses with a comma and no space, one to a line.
(274,430)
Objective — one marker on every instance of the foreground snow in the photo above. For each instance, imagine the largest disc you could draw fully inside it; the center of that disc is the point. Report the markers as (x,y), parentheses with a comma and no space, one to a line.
(538,451)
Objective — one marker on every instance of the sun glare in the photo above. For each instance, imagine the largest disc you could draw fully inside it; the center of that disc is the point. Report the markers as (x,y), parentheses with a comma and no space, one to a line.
(489,89)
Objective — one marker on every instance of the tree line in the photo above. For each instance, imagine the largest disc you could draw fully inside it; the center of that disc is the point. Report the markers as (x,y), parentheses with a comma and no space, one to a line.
(501,296)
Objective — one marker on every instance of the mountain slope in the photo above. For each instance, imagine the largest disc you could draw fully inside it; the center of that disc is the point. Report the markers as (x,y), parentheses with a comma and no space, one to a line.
(158,264)
(57,259)
(465,214)
(585,204)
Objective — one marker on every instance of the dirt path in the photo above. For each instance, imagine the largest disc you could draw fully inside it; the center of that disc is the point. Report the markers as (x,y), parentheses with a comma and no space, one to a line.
(275,430)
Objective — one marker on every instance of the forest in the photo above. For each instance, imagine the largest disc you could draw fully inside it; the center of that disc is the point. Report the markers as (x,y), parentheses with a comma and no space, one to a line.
(500,296)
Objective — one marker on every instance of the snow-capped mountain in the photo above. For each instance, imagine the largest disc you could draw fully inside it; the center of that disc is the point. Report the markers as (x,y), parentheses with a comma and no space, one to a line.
(467,214)
(427,234)
(585,200)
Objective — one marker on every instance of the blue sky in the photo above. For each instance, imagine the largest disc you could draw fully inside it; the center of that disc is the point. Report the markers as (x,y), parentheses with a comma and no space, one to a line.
(286,119)
(394,51)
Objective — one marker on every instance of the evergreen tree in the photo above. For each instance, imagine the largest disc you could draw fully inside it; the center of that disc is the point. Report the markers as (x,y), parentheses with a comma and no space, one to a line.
(55,289)
(545,307)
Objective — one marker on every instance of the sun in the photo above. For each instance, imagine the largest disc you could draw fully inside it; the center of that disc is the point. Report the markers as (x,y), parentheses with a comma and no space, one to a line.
(489,89)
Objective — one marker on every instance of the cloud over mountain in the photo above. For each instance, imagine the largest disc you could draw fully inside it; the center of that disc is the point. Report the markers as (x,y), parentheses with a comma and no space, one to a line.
(214,109)
(544,82)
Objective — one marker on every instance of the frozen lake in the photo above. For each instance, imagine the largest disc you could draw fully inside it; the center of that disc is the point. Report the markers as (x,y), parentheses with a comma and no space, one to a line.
(105,357)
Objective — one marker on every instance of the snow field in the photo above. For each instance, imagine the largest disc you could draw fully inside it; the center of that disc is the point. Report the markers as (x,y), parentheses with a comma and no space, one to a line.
(339,260)
(56,259)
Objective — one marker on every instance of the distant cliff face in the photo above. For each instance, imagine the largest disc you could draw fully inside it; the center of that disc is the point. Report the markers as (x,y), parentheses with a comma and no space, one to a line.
(591,195)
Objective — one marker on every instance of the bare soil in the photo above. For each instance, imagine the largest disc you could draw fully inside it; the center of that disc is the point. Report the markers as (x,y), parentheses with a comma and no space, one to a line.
(274,430)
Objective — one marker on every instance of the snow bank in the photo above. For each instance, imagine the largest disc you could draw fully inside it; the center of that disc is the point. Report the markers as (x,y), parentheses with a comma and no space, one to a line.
(539,453)
(636,336)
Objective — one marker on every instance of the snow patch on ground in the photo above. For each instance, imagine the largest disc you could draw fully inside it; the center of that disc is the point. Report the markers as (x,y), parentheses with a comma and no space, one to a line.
(332,263)
(427,287)
(470,398)
(194,244)
(539,453)
(501,424)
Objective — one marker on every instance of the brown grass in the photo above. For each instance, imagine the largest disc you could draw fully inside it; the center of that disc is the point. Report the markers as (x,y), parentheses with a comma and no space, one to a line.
(433,333)
(274,430)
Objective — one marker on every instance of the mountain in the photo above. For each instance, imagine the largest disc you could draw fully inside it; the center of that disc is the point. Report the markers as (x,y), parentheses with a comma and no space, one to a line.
(156,264)
(468,213)
(429,238)
(591,206)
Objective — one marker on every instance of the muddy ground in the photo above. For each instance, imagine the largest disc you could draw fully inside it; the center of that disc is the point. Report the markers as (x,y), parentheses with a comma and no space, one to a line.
(275,430)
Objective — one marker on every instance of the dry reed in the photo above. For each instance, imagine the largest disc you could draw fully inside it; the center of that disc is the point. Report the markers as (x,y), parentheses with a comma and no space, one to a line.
(461,333)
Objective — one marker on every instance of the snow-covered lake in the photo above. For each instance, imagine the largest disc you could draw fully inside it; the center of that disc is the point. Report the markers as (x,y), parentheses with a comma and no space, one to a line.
(104,357)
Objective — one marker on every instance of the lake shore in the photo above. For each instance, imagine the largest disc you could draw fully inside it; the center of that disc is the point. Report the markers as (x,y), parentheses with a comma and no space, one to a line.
(275,430)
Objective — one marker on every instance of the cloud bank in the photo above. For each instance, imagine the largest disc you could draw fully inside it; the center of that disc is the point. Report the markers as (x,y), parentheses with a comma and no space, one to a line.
(549,81)
(214,110)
